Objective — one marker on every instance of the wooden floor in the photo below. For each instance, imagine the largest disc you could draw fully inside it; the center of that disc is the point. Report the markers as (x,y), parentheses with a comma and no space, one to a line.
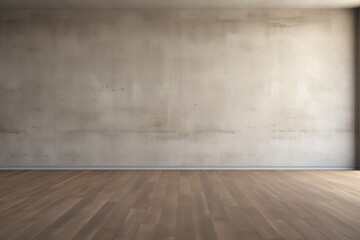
(167,205)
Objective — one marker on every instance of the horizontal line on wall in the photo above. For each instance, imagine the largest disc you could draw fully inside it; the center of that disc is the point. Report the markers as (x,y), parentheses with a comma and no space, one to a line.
(175,168)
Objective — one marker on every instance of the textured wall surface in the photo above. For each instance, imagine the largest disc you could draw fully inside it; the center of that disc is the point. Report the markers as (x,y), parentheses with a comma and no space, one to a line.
(177,88)
(168,4)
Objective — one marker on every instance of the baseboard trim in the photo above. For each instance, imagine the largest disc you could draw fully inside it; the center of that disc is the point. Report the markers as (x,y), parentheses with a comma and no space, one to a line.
(175,168)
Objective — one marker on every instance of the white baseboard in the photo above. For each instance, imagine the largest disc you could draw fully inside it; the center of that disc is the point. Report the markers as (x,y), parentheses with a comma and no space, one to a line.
(174,168)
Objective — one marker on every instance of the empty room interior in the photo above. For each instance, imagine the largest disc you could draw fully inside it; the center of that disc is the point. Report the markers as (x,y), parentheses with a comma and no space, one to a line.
(179,120)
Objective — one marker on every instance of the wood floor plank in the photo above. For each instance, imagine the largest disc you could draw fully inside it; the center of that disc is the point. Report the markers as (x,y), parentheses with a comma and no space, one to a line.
(203,222)
(224,230)
(185,229)
(90,228)
(303,228)
(145,232)
(105,234)
(167,223)
(285,230)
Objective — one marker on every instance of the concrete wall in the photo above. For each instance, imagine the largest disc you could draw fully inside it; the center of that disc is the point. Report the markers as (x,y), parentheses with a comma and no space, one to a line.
(358,91)
(177,88)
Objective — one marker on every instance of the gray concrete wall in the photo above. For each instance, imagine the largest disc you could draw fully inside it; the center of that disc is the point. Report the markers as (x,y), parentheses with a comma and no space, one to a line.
(357,93)
(177,88)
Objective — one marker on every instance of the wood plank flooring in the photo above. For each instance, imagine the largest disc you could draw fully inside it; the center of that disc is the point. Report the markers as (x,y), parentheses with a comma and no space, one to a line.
(172,205)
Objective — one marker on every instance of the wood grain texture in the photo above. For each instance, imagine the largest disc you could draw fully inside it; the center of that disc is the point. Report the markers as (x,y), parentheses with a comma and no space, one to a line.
(179,205)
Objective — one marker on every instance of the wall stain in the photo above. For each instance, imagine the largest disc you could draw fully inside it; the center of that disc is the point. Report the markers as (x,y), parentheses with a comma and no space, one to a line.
(10,131)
